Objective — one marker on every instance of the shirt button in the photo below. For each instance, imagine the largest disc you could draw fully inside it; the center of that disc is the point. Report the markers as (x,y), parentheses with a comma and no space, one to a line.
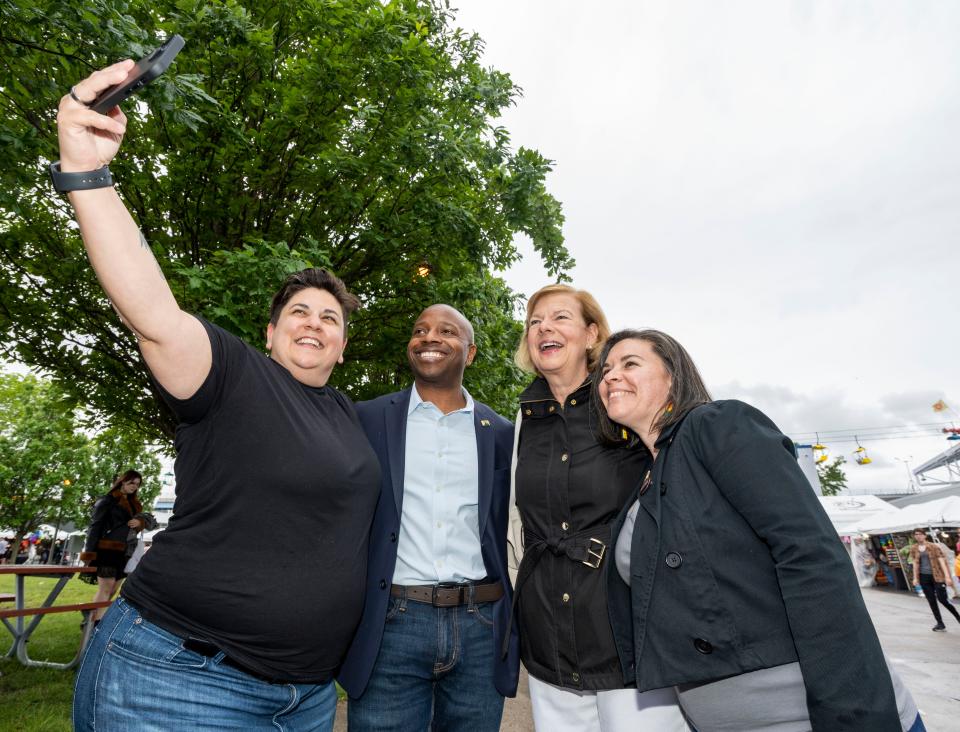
(575,676)
(573,402)
(703,646)
(563,458)
(674,560)
(551,409)
(566,597)
(564,526)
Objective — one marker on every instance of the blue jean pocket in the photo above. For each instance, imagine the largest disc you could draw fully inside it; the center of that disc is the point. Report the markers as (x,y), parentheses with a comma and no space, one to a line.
(483,613)
(149,643)
(397,605)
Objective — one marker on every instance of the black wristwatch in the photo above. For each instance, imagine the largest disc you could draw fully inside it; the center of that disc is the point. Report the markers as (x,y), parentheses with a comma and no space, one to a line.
(82,181)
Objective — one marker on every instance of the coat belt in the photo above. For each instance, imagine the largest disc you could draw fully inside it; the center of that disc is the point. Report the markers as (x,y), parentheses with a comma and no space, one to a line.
(581,546)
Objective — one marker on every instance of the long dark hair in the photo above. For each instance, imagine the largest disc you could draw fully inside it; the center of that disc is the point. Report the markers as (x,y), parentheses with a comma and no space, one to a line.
(687,389)
(129,475)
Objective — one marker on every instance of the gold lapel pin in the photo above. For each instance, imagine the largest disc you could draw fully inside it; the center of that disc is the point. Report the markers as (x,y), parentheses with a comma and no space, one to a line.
(484,422)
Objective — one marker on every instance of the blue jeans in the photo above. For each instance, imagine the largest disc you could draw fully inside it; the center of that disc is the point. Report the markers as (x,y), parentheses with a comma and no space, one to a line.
(434,672)
(137,676)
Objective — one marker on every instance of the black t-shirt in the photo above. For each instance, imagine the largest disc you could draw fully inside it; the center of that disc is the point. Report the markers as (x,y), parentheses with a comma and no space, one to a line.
(266,553)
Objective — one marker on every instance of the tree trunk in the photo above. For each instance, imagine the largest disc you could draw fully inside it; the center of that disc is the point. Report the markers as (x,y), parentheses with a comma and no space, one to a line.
(15,549)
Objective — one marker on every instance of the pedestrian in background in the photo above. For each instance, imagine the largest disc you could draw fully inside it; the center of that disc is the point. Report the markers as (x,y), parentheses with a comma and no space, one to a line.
(116,515)
(931,573)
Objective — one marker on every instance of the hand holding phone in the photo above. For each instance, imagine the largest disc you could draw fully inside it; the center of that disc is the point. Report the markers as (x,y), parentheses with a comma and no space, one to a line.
(146,70)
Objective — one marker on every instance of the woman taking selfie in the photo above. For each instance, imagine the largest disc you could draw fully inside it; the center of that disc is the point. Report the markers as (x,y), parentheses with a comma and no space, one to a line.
(240,614)
(729,581)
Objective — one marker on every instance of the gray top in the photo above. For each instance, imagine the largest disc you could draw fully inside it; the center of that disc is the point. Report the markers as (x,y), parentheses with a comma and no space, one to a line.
(769,700)
(621,552)
(925,566)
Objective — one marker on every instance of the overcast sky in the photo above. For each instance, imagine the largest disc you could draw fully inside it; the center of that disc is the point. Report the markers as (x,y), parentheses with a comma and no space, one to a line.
(777,184)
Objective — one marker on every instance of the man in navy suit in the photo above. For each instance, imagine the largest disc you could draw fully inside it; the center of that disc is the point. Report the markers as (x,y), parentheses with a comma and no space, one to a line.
(427,652)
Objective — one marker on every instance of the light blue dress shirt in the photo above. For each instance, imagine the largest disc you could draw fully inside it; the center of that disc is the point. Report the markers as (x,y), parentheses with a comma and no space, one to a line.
(439,522)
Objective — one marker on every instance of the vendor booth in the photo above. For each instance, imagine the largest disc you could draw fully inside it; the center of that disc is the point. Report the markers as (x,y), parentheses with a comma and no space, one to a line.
(848,513)
(890,535)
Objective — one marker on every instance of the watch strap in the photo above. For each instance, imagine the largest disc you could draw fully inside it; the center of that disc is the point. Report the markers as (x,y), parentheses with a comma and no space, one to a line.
(80,181)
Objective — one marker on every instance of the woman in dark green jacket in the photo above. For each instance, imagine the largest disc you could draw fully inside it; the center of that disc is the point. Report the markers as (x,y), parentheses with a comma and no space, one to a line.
(729,581)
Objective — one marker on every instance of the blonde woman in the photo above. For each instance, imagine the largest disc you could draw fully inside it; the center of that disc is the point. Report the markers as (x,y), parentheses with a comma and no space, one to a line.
(569,488)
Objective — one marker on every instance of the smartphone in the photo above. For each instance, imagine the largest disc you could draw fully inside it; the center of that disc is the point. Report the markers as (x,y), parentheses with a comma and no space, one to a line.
(146,70)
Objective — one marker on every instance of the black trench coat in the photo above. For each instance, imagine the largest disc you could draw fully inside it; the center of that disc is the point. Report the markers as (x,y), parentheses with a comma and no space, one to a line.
(569,490)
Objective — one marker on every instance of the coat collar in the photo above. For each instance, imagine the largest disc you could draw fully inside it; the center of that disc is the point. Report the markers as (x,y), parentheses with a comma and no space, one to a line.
(539,390)
(538,401)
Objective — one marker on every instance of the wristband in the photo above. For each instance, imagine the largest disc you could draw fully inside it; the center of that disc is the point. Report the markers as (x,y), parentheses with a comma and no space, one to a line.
(82,181)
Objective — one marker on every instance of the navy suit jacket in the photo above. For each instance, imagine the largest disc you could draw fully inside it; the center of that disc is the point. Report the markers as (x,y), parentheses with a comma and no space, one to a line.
(385,421)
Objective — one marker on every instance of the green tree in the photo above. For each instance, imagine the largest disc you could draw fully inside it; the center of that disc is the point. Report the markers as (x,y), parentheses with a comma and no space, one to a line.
(112,452)
(358,135)
(50,470)
(832,478)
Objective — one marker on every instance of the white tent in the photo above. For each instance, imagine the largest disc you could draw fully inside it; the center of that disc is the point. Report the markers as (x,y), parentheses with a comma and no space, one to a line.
(848,512)
(48,529)
(942,512)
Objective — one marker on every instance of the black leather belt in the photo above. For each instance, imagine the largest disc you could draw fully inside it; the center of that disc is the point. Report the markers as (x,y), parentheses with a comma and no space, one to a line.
(449,594)
(208,649)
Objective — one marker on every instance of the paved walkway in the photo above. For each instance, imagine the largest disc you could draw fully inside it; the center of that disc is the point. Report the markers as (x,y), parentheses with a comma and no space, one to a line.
(928,662)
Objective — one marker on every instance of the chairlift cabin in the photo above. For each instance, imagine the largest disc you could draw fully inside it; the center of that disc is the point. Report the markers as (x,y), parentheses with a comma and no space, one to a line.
(819,452)
(860,454)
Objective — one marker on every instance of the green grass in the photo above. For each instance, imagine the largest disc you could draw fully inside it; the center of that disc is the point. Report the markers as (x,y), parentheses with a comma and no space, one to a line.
(39,699)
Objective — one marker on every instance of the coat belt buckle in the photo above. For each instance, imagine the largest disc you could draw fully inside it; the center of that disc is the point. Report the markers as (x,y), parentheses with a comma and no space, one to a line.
(595,554)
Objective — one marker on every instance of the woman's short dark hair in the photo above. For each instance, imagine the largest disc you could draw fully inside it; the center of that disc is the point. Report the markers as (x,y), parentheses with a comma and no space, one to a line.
(687,389)
(321,279)
(129,475)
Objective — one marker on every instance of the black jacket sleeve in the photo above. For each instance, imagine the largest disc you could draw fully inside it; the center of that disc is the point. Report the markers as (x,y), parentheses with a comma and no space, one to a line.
(101,510)
(755,467)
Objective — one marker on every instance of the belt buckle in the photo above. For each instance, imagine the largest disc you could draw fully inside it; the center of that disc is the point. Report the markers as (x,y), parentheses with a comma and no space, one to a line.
(446,586)
(594,555)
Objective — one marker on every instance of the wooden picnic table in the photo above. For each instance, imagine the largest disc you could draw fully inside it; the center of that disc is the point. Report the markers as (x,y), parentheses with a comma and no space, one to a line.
(21,630)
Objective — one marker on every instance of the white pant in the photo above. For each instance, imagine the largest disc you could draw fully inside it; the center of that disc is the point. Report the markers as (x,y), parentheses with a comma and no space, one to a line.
(556,709)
